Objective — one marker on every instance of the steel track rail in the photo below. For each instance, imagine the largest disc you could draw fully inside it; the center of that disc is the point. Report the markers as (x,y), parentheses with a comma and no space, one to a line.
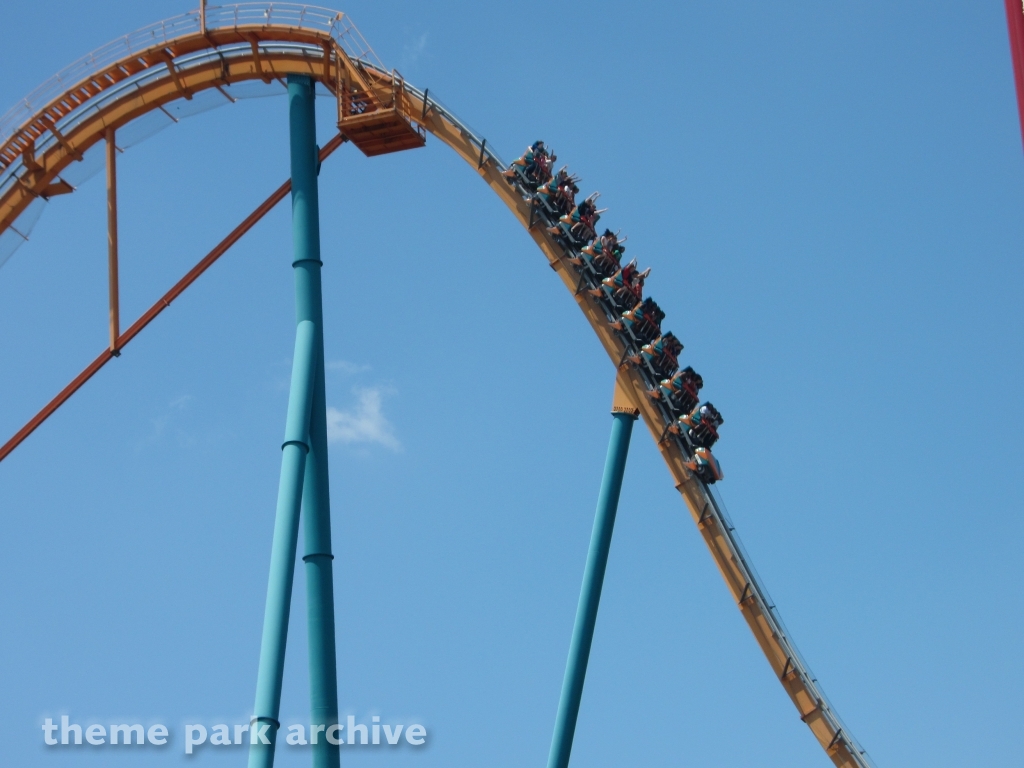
(246,42)
(707,511)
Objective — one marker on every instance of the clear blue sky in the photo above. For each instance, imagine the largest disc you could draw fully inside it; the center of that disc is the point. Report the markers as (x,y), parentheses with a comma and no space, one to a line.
(830,197)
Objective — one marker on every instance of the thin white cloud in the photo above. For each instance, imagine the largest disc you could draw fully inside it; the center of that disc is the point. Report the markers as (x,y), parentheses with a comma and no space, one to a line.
(347,368)
(412,51)
(165,418)
(177,405)
(365,423)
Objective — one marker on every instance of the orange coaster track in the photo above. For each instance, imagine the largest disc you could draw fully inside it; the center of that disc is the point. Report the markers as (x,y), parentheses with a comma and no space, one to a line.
(175,61)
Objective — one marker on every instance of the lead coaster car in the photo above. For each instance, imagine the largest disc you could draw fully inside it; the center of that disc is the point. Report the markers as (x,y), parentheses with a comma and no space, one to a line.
(532,169)
(705,466)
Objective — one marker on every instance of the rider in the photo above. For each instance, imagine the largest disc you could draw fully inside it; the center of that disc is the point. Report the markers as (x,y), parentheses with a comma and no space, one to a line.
(534,150)
(701,425)
(584,211)
(583,216)
(528,160)
(539,169)
(565,200)
(625,287)
(643,321)
(662,354)
(607,245)
(560,191)
(680,390)
(554,183)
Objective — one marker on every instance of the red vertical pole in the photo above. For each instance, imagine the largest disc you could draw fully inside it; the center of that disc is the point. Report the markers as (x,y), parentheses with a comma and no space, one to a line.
(115,316)
(1015,22)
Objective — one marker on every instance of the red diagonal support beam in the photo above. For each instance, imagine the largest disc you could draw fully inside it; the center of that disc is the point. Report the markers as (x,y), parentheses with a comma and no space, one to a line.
(1015,23)
(164,302)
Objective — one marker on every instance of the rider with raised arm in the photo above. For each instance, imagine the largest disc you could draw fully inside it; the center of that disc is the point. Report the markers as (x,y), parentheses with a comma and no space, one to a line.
(605,253)
(532,159)
(625,289)
(580,221)
(559,192)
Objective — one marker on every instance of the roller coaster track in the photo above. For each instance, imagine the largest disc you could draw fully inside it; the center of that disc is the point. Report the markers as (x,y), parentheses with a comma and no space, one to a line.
(217,50)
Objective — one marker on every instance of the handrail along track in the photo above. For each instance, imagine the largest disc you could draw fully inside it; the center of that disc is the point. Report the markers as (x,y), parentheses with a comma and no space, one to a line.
(176,59)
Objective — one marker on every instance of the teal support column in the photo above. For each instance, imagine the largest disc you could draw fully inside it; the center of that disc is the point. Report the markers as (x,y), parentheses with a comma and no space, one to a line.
(590,594)
(323,675)
(303,472)
(316,502)
(266,712)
